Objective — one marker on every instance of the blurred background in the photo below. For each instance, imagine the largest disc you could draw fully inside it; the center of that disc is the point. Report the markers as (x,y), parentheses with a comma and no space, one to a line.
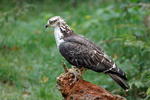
(30,61)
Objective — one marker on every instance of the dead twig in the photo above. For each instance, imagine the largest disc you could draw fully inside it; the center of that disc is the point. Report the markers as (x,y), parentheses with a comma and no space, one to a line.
(65,68)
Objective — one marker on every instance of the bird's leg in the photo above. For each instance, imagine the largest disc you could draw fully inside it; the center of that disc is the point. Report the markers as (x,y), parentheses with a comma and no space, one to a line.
(73,74)
(82,70)
(77,73)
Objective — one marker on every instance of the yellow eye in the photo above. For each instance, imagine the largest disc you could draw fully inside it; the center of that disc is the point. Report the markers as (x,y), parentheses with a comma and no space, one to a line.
(52,22)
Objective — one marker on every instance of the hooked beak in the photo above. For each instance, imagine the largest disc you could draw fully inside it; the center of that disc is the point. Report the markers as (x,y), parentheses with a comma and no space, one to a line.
(47,25)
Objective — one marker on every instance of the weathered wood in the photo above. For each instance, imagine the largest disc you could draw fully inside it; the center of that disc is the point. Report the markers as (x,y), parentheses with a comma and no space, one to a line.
(73,87)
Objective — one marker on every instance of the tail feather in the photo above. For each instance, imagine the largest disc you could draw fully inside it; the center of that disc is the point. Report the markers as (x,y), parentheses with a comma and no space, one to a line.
(120,81)
(118,72)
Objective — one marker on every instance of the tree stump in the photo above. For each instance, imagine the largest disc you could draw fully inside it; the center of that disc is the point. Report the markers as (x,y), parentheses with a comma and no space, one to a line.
(73,87)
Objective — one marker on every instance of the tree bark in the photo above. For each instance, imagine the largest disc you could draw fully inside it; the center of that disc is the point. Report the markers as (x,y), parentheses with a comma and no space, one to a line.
(73,87)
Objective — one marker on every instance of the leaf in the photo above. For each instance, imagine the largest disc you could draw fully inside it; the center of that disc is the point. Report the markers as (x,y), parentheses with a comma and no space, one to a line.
(44,79)
(15,48)
(47,16)
(37,32)
(148,91)
(122,25)
(115,56)
(87,17)
(138,84)
(89,23)
(25,94)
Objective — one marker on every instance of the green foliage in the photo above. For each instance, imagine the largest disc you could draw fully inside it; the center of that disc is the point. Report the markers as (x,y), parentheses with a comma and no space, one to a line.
(30,62)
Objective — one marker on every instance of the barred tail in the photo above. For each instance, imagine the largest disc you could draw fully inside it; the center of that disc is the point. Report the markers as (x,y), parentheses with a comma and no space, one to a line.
(120,81)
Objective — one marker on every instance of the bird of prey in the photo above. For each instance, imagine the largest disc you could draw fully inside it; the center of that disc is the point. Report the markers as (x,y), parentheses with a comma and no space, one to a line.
(83,53)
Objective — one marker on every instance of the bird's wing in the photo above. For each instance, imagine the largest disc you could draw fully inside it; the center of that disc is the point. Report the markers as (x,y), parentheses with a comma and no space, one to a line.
(81,52)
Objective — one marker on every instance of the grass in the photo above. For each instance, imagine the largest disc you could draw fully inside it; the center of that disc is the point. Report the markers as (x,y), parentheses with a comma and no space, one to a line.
(30,61)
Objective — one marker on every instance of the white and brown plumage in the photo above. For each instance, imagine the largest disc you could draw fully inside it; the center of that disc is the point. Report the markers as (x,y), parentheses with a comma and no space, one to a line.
(83,53)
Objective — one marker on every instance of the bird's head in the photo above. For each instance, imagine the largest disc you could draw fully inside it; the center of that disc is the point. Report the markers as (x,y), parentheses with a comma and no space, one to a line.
(57,21)
(54,21)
